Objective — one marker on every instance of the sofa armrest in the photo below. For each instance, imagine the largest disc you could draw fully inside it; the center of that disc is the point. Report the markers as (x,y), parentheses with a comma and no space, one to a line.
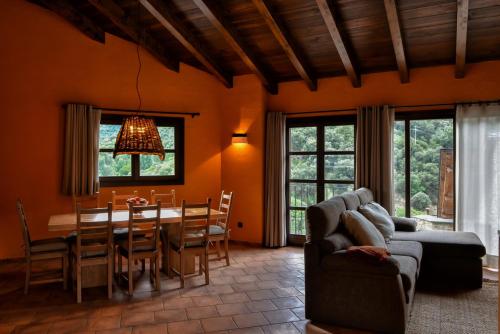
(341,261)
(405,224)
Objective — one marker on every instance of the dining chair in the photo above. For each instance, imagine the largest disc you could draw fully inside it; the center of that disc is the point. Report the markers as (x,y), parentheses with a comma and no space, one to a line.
(143,243)
(192,238)
(220,230)
(86,202)
(93,245)
(120,201)
(167,200)
(42,250)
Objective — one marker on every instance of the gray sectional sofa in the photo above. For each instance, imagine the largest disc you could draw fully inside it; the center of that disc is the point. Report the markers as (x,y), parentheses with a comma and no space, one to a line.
(355,291)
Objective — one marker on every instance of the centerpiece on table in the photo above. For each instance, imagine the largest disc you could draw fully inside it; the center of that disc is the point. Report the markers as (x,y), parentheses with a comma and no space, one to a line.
(136,202)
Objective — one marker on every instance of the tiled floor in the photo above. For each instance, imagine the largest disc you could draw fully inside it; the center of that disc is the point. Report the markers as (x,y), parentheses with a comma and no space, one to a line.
(261,292)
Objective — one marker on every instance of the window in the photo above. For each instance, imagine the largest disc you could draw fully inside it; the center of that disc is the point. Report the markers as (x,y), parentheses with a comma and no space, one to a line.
(141,169)
(424,167)
(320,165)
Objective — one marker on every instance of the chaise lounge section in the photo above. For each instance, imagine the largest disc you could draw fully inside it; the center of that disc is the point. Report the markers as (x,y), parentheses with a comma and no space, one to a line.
(354,291)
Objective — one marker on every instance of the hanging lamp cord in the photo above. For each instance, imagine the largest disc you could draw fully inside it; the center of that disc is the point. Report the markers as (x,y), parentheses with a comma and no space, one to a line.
(138,58)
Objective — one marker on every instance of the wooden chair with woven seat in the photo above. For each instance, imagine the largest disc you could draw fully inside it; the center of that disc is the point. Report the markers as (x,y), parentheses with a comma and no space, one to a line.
(167,200)
(42,250)
(143,242)
(86,202)
(93,245)
(219,231)
(192,238)
(120,201)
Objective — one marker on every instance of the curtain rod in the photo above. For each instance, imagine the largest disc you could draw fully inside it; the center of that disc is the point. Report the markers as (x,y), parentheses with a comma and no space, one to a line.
(452,104)
(153,112)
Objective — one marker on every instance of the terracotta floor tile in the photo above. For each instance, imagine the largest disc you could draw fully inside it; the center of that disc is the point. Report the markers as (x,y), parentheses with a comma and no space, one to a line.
(6,329)
(251,330)
(185,327)
(171,315)
(235,298)
(207,300)
(151,329)
(246,278)
(222,280)
(101,323)
(250,320)
(287,302)
(261,305)
(243,287)
(300,312)
(301,325)
(219,289)
(286,292)
(232,309)
(218,324)
(261,294)
(280,316)
(127,330)
(281,329)
(32,328)
(137,318)
(202,312)
(176,303)
(68,326)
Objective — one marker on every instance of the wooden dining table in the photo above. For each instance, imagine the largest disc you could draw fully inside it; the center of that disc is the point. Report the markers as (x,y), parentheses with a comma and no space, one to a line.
(169,218)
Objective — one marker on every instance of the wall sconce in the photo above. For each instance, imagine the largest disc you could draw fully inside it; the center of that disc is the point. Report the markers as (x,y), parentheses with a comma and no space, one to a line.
(239,138)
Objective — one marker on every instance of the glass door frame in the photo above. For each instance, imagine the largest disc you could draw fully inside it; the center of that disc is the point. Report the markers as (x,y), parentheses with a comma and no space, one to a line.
(320,123)
(407,117)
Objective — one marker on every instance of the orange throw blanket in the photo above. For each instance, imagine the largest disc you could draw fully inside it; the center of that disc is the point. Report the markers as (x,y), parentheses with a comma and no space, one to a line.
(378,253)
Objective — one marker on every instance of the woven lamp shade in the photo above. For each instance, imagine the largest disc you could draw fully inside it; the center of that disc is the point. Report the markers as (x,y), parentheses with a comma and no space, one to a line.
(139,135)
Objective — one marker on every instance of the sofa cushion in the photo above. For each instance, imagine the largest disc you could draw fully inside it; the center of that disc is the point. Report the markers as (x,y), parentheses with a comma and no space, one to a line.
(325,217)
(342,261)
(351,200)
(408,271)
(445,243)
(335,242)
(362,230)
(407,248)
(365,195)
(405,224)
(380,218)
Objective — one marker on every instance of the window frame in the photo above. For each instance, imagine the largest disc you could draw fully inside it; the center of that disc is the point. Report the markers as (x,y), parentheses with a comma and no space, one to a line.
(320,122)
(136,179)
(407,117)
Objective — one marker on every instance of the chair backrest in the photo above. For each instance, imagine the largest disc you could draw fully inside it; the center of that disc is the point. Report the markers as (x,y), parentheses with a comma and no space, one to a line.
(120,201)
(94,231)
(167,200)
(86,202)
(225,205)
(195,223)
(144,228)
(24,226)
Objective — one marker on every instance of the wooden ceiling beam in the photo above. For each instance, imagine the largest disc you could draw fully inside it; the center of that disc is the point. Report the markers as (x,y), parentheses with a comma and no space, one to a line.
(461,44)
(216,17)
(129,27)
(284,39)
(397,39)
(68,11)
(164,15)
(327,12)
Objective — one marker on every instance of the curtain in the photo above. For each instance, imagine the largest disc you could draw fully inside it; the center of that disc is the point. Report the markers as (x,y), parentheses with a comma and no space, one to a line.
(81,150)
(275,229)
(478,172)
(374,144)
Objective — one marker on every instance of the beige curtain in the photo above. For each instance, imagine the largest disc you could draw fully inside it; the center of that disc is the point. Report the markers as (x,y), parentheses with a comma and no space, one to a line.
(374,143)
(275,229)
(81,150)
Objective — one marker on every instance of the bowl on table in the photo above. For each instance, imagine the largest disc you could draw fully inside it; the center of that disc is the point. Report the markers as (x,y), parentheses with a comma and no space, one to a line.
(135,203)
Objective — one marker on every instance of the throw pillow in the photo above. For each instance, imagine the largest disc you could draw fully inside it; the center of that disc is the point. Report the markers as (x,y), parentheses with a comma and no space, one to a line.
(362,230)
(380,218)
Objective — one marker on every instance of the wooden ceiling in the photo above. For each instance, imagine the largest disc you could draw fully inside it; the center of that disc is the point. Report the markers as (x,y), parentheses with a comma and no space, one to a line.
(283,40)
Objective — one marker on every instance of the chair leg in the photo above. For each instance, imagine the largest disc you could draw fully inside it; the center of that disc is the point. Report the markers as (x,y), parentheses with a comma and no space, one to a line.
(130,279)
(111,267)
(78,282)
(170,272)
(120,267)
(28,276)
(205,257)
(181,268)
(226,249)
(217,247)
(200,267)
(157,272)
(65,271)
(143,265)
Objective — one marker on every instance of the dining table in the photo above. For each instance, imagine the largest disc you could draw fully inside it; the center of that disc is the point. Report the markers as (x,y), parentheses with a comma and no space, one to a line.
(169,218)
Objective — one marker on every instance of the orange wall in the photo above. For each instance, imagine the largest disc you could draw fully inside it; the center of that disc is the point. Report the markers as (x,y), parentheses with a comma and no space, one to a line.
(44,63)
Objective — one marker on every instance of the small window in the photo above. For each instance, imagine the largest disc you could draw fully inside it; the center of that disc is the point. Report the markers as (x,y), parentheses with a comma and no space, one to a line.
(139,169)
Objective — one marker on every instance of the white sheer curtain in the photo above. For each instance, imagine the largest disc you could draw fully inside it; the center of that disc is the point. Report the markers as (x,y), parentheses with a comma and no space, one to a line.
(478,177)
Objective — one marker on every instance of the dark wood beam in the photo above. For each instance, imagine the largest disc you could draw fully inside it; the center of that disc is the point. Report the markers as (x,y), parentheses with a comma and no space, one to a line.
(461,44)
(397,39)
(282,36)
(164,15)
(131,28)
(327,12)
(215,15)
(68,11)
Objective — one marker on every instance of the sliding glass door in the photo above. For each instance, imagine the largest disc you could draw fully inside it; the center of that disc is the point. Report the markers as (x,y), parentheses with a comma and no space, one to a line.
(424,165)
(320,165)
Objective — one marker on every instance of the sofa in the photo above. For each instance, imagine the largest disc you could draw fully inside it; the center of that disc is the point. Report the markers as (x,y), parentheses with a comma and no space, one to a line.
(358,292)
